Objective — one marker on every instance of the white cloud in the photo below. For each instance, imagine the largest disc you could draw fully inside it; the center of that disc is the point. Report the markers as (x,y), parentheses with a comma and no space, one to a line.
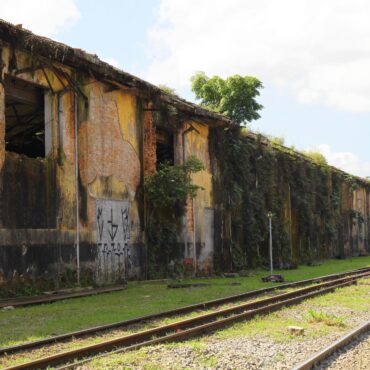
(346,161)
(318,50)
(45,17)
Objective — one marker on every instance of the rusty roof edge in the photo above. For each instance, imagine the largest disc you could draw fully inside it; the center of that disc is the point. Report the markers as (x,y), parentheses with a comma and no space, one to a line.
(77,58)
(297,154)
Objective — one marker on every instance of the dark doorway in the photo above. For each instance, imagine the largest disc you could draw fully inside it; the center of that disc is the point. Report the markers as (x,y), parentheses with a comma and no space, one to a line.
(165,147)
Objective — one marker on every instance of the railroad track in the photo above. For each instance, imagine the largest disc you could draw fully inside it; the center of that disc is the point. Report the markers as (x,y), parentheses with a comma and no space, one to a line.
(339,344)
(40,299)
(174,312)
(187,328)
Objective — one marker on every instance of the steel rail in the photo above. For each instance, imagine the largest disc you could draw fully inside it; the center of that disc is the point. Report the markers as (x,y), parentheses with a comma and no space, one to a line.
(205,328)
(173,312)
(39,299)
(193,326)
(28,301)
(332,348)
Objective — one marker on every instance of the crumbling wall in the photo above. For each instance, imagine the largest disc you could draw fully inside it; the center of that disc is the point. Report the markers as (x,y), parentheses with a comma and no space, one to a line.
(110,172)
(199,211)
(25,201)
(150,157)
(40,193)
(37,194)
(318,211)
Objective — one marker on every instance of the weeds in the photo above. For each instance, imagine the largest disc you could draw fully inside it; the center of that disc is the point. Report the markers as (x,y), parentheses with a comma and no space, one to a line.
(325,318)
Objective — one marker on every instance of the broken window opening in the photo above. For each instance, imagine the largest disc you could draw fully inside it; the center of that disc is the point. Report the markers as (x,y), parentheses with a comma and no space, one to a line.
(165,148)
(24,117)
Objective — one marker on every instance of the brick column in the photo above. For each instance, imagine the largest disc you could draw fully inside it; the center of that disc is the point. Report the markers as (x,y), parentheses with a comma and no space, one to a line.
(2,125)
(150,145)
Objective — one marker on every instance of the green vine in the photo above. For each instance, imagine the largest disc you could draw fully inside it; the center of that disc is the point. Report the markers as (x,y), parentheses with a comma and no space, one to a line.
(304,195)
(167,191)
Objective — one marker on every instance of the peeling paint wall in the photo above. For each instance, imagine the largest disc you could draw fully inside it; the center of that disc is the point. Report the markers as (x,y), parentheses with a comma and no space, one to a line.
(117,131)
(37,195)
(110,169)
(40,193)
(199,211)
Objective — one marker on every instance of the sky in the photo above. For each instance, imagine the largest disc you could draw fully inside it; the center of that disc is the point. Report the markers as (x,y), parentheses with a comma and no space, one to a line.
(312,56)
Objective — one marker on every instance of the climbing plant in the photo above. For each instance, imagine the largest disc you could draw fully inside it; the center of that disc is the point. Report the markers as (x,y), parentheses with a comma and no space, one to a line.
(167,191)
(304,194)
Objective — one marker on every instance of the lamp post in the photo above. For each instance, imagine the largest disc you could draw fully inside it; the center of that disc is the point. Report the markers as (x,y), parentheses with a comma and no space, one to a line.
(272,277)
(269,216)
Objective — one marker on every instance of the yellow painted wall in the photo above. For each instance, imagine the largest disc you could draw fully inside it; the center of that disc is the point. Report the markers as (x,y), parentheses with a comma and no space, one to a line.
(197,145)
(63,139)
(108,123)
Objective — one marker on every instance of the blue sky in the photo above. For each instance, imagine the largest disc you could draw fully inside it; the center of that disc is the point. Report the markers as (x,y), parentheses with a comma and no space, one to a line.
(312,57)
(114,29)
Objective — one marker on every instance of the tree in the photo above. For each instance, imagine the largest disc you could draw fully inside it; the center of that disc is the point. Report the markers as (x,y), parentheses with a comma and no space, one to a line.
(276,140)
(235,97)
(316,156)
(167,89)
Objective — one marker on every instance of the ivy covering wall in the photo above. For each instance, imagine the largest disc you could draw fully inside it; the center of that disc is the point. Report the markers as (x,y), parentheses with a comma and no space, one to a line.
(312,203)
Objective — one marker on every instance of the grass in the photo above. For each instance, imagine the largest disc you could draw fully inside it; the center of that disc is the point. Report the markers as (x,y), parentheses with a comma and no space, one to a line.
(274,328)
(132,358)
(325,318)
(313,315)
(310,315)
(208,362)
(35,322)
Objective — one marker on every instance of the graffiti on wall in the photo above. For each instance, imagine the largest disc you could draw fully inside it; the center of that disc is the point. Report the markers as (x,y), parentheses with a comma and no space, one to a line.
(113,238)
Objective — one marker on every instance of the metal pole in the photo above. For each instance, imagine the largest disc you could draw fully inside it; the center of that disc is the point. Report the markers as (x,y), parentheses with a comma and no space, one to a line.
(184,157)
(194,225)
(77,193)
(194,239)
(270,228)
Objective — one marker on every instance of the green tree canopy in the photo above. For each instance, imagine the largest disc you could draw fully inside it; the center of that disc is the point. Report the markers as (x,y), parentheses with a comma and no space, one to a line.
(316,156)
(235,97)
(167,89)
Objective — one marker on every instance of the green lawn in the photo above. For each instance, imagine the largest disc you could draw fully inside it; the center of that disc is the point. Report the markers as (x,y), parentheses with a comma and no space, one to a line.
(35,322)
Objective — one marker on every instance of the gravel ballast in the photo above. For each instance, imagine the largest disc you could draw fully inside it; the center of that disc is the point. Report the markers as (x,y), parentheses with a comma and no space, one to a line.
(355,355)
(259,345)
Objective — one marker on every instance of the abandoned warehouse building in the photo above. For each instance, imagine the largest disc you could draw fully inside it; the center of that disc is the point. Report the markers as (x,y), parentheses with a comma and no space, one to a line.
(79,138)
